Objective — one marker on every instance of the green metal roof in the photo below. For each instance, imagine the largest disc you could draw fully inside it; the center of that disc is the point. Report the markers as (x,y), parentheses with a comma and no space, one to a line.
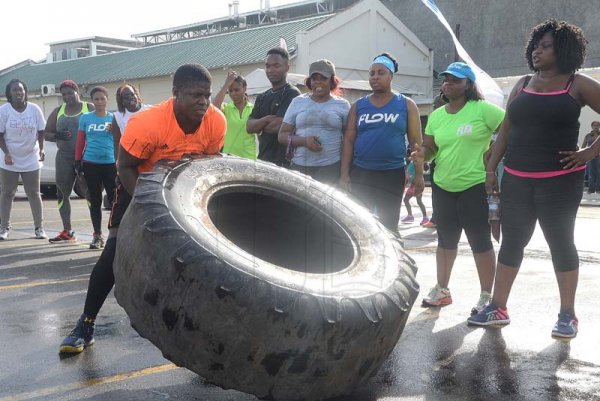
(246,46)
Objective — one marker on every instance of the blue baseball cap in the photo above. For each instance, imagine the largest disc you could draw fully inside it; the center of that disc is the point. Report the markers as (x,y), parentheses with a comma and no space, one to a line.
(460,70)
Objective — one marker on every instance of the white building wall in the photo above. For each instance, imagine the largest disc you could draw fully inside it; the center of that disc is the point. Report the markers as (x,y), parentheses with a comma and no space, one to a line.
(352,38)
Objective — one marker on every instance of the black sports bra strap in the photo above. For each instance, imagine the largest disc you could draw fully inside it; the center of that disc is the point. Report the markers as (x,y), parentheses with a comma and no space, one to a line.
(526,82)
(570,82)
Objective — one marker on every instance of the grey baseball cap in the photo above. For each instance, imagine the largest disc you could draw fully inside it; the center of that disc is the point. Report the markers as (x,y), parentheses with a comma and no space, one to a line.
(323,67)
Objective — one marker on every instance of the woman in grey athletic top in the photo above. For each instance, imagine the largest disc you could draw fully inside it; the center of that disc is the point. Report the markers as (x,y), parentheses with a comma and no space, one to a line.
(61,128)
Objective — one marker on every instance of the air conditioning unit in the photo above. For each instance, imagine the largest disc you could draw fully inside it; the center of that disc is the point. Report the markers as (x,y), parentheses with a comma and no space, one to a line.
(48,89)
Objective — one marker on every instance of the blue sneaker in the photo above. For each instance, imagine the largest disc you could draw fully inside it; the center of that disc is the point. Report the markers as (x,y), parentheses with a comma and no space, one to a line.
(566,326)
(81,337)
(491,315)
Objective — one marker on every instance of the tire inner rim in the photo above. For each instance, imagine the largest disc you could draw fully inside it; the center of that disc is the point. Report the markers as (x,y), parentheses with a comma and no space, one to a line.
(281,229)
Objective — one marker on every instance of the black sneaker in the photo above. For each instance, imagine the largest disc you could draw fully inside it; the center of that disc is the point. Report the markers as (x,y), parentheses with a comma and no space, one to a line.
(79,338)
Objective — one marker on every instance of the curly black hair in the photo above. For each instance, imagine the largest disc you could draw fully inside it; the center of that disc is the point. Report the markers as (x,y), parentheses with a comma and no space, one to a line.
(11,83)
(569,44)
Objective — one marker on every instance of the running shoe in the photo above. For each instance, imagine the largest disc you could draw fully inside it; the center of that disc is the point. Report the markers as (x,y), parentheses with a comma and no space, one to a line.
(40,233)
(3,233)
(97,242)
(408,219)
(429,224)
(484,299)
(64,237)
(79,338)
(438,296)
(491,315)
(424,221)
(566,326)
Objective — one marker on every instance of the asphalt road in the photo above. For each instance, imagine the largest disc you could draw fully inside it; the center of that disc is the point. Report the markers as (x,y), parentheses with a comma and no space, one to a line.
(43,286)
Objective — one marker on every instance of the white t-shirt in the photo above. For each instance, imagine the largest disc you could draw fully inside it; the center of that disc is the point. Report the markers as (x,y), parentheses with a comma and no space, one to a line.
(122,118)
(21,136)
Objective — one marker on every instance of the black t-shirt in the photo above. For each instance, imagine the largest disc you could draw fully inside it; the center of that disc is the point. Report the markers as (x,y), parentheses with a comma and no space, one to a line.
(273,102)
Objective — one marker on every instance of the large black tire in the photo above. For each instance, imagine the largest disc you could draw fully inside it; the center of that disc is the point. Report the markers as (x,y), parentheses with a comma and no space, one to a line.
(261,279)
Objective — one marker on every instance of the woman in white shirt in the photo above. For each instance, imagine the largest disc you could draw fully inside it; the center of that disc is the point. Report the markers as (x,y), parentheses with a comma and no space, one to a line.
(129,102)
(21,153)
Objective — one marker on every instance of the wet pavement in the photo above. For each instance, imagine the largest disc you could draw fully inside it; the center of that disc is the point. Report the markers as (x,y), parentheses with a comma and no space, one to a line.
(42,290)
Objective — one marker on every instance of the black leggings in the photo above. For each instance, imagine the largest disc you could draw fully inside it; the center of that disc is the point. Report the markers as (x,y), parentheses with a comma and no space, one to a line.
(455,211)
(551,201)
(102,279)
(380,191)
(97,176)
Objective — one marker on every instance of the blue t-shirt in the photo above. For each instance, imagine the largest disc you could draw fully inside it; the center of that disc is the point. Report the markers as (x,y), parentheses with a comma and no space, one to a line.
(380,134)
(99,143)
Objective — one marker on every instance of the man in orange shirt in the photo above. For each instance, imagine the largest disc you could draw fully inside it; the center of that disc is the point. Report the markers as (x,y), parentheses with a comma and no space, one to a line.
(184,124)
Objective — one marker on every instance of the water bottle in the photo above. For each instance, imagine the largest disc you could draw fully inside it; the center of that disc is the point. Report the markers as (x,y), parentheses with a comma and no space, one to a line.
(493,207)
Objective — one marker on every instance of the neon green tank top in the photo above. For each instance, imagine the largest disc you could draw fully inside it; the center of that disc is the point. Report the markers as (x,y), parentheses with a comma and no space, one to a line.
(61,111)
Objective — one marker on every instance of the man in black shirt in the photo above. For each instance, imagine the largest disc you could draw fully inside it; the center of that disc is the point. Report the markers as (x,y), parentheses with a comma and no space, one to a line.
(270,107)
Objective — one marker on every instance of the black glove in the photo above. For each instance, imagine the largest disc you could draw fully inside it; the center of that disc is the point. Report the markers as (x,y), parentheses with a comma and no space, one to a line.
(79,167)
(63,135)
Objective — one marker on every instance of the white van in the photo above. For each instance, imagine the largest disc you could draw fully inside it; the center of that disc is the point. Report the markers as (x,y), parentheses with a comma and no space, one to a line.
(48,175)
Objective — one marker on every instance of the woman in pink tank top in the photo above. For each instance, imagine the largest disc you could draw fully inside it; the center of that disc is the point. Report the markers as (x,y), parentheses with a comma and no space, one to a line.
(543,180)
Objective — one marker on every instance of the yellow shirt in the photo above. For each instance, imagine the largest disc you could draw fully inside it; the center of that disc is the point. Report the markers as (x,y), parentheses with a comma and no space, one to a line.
(237,140)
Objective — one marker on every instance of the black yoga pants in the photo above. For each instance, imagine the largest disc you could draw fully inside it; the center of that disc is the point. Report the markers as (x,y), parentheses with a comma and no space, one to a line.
(551,201)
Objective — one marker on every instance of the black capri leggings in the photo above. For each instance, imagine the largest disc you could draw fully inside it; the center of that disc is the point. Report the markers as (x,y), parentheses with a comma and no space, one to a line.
(380,191)
(97,176)
(468,210)
(551,201)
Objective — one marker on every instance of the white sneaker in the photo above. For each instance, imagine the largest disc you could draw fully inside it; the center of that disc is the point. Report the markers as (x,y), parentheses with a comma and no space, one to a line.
(40,233)
(438,296)
(484,299)
(3,233)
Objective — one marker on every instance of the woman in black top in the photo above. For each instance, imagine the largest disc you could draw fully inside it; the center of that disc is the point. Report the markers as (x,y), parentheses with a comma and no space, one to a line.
(543,179)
